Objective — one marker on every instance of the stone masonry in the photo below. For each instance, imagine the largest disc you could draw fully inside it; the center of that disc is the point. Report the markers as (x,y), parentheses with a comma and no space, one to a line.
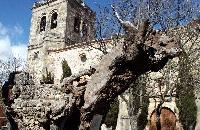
(73,23)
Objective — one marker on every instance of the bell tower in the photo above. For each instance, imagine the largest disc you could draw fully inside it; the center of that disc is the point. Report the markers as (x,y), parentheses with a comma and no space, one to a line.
(57,24)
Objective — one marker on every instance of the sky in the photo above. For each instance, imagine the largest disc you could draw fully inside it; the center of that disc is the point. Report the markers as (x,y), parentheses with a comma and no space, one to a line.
(14,27)
(15,17)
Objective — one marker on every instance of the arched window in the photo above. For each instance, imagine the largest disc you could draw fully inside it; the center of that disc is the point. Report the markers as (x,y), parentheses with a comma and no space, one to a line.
(54,20)
(85,29)
(77,22)
(43,23)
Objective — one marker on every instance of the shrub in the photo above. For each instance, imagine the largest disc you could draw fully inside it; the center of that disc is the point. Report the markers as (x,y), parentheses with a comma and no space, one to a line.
(185,92)
(47,78)
(110,118)
(66,70)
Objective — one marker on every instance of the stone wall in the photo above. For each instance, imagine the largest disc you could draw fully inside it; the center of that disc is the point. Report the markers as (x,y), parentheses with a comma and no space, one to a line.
(51,46)
(36,107)
(74,59)
(36,37)
(86,19)
(52,59)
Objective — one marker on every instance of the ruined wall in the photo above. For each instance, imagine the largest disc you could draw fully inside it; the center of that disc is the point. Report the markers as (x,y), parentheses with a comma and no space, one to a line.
(38,107)
(86,20)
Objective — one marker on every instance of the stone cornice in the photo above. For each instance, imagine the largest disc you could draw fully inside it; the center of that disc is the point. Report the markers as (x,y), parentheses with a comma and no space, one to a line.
(42,3)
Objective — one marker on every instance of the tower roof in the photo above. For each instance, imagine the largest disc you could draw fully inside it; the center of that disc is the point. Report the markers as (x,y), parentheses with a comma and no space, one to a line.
(39,3)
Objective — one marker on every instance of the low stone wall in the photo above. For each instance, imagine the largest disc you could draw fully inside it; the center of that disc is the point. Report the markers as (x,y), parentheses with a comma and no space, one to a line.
(37,107)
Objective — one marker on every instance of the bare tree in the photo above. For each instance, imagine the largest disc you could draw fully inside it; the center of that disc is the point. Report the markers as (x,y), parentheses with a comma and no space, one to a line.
(166,16)
(133,59)
(10,65)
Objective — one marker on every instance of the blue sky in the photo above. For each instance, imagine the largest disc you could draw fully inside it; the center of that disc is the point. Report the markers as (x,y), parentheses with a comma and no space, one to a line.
(15,17)
(16,13)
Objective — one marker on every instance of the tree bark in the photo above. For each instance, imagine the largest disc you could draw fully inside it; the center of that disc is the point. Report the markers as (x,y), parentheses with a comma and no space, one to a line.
(140,51)
(120,68)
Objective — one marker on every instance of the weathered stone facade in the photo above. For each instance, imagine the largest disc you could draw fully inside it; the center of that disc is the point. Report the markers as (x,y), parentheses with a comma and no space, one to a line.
(38,106)
(73,24)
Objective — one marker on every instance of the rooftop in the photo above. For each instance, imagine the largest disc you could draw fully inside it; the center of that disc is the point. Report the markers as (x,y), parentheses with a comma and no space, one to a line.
(40,3)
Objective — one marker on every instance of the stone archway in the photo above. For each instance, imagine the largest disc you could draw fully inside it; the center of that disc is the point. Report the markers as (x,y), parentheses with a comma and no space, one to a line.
(167,120)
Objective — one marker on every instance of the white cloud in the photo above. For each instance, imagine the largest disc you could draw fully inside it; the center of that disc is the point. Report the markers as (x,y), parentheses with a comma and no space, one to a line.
(5,48)
(19,51)
(3,30)
(8,49)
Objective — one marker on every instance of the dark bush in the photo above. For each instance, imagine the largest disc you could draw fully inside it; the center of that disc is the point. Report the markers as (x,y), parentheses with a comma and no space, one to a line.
(110,118)
(47,78)
(66,70)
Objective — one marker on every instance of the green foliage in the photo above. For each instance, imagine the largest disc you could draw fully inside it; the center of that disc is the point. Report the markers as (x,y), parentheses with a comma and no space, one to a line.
(47,78)
(187,110)
(66,70)
(186,98)
(111,117)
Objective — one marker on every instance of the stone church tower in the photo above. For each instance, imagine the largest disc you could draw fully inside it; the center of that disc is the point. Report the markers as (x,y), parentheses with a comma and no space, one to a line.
(56,25)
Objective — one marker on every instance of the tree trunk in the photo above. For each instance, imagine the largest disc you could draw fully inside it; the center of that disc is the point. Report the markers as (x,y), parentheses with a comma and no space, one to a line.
(117,71)
(138,53)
